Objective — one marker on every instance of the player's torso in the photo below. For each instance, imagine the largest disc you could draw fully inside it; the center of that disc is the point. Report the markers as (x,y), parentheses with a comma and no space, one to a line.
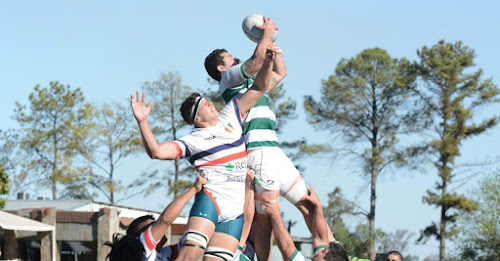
(260,123)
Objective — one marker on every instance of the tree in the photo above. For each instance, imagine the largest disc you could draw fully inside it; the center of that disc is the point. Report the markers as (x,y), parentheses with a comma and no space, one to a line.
(4,185)
(8,151)
(356,242)
(450,92)
(365,101)
(56,121)
(112,139)
(480,230)
(168,93)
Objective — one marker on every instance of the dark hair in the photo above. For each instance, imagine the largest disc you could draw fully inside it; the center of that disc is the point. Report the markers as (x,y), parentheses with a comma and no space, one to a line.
(187,106)
(212,61)
(336,253)
(125,248)
(135,228)
(394,252)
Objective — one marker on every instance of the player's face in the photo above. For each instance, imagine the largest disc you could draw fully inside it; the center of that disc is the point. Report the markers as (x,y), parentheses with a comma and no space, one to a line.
(207,111)
(229,60)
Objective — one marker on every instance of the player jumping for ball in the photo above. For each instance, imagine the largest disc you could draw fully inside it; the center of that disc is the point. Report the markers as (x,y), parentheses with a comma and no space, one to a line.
(274,171)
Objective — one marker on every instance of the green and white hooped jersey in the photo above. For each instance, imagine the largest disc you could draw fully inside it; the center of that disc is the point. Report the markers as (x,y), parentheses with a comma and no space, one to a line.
(260,124)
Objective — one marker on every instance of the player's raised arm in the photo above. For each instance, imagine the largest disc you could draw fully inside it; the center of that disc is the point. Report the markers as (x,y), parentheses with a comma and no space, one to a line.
(166,151)
(263,81)
(279,70)
(255,63)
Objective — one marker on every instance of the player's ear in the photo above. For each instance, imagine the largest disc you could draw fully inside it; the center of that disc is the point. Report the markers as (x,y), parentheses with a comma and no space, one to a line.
(221,68)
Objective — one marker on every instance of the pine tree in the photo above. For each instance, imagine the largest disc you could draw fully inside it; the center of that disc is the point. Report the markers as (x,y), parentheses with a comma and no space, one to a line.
(451,92)
(51,129)
(365,101)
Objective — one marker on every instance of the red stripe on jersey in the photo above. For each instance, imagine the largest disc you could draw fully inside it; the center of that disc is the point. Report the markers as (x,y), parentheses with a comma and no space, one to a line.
(209,194)
(242,114)
(224,159)
(178,148)
(149,242)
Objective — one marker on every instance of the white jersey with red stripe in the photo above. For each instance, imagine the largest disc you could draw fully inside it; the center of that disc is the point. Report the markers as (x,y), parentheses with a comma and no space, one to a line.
(149,244)
(166,253)
(218,153)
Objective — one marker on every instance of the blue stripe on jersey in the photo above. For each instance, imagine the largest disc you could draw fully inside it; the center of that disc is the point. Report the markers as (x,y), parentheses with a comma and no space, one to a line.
(216,149)
(237,111)
(187,152)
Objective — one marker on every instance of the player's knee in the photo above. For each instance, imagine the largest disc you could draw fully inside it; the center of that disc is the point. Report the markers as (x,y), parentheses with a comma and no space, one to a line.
(219,252)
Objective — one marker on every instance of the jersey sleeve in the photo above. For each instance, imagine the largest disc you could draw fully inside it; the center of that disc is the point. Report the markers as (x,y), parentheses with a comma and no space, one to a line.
(182,148)
(148,242)
(232,77)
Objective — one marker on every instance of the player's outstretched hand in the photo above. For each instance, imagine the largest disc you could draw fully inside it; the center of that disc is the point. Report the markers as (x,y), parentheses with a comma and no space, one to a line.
(268,24)
(200,181)
(141,111)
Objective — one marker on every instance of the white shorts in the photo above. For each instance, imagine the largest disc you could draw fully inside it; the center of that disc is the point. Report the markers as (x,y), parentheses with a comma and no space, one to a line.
(275,171)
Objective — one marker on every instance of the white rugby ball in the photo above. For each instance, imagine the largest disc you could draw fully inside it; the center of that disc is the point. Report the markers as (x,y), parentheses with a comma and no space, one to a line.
(252,32)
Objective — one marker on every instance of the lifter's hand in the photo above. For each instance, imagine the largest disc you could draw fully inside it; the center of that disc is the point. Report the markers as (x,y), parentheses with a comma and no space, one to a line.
(312,196)
(198,184)
(271,206)
(141,111)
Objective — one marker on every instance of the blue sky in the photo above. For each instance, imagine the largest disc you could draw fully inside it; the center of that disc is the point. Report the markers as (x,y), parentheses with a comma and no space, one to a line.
(108,48)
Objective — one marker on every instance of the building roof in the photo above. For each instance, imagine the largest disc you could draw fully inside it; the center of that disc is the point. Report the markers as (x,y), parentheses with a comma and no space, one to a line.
(83,205)
(14,222)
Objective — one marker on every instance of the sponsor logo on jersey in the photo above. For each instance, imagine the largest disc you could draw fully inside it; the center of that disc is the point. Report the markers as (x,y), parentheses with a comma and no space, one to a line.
(210,138)
(230,167)
(237,165)
(268,182)
(235,179)
(229,128)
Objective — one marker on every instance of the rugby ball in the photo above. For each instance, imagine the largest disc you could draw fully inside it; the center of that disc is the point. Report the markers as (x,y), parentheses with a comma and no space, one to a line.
(253,33)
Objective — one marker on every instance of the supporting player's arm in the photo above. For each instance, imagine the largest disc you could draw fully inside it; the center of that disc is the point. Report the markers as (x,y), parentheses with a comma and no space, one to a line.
(166,151)
(254,64)
(172,211)
(319,228)
(283,238)
(249,207)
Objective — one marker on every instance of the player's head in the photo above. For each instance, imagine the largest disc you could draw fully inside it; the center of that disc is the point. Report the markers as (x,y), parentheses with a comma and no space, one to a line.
(125,248)
(218,61)
(198,110)
(334,252)
(139,225)
(394,256)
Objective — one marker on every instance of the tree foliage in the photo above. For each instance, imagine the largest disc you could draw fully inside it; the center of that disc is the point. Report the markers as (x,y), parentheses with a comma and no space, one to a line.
(450,92)
(113,138)
(480,230)
(168,93)
(4,185)
(365,101)
(51,129)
